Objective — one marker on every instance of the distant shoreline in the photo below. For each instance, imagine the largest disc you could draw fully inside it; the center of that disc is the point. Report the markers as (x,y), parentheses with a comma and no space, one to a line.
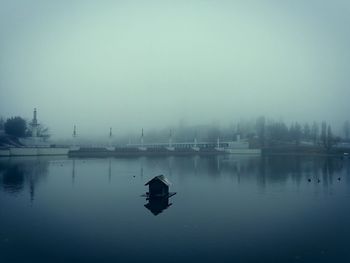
(136,152)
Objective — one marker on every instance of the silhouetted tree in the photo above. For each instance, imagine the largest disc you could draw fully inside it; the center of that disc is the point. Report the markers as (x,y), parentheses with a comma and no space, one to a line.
(324,134)
(16,126)
(42,131)
(306,131)
(330,139)
(261,130)
(213,133)
(314,132)
(2,123)
(295,133)
(278,131)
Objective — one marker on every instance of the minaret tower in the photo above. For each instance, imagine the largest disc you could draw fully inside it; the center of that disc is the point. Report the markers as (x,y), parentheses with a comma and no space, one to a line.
(75,131)
(34,125)
(170,146)
(110,147)
(74,146)
(142,137)
(142,148)
(218,148)
(195,147)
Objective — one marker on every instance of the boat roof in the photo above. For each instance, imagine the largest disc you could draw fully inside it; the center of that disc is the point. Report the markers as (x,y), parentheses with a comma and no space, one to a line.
(161,178)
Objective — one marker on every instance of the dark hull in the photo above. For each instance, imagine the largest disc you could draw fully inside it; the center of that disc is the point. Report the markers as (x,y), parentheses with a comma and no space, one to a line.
(102,152)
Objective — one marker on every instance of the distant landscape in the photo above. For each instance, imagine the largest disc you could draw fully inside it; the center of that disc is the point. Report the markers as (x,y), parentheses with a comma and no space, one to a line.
(264,133)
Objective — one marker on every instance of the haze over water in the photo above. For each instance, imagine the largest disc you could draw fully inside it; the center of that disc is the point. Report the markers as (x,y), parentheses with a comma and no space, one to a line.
(150,64)
(223,76)
(227,208)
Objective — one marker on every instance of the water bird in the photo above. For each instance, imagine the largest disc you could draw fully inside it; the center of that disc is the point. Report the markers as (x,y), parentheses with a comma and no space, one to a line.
(309,180)
(318,180)
(339,178)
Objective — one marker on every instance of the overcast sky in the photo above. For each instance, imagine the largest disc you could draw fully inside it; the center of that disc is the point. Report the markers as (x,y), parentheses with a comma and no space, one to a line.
(133,64)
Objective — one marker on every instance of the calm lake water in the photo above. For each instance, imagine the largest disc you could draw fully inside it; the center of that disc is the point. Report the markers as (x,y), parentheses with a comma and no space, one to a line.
(227,209)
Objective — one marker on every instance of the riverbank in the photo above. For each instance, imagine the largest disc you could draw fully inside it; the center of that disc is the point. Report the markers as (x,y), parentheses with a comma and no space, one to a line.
(304,150)
(33,151)
(126,152)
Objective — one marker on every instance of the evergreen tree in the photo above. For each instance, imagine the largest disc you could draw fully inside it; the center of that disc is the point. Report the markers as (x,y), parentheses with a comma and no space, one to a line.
(324,134)
(347,130)
(16,126)
(261,130)
(330,139)
(314,133)
(306,131)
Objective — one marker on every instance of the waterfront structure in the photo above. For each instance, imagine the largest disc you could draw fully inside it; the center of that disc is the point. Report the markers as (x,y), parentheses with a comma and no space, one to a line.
(195,146)
(32,146)
(170,146)
(158,194)
(74,146)
(34,124)
(218,146)
(158,186)
(33,140)
(142,147)
(110,137)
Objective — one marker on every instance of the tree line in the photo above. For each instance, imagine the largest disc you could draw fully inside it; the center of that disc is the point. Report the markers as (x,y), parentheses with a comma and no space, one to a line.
(260,132)
(270,133)
(20,128)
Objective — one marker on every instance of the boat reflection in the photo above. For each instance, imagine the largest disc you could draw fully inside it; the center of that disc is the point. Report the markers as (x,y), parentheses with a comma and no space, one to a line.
(157,204)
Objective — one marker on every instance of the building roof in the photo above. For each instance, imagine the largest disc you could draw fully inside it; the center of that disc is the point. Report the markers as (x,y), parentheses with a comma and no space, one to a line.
(161,178)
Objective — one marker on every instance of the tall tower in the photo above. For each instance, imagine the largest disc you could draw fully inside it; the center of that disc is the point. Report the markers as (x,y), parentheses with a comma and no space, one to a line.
(218,148)
(142,137)
(170,145)
(75,131)
(74,136)
(195,146)
(34,124)
(110,137)
(142,148)
(74,147)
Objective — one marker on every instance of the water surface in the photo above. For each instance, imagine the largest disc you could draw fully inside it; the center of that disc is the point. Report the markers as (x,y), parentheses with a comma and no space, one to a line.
(227,209)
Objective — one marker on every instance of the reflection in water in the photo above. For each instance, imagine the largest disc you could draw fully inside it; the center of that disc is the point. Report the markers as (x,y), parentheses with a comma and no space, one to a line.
(263,207)
(109,170)
(195,163)
(157,204)
(13,178)
(278,169)
(16,173)
(73,172)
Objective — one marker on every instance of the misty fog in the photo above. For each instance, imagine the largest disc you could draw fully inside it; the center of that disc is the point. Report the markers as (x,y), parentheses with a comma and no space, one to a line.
(161,64)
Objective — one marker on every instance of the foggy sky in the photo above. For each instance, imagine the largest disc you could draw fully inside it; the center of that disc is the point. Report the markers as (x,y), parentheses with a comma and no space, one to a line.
(133,64)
